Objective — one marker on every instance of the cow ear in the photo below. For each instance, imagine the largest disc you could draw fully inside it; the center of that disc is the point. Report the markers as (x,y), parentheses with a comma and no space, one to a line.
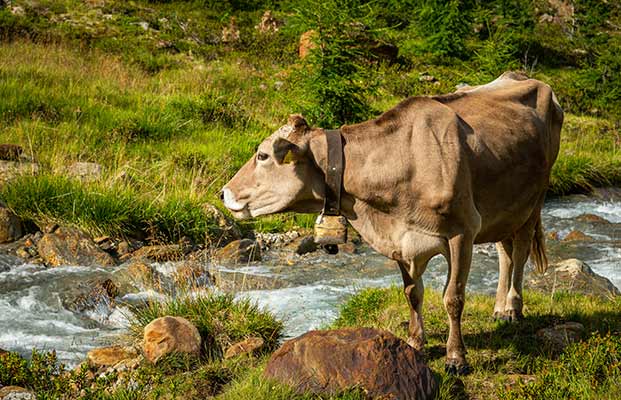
(298,122)
(284,151)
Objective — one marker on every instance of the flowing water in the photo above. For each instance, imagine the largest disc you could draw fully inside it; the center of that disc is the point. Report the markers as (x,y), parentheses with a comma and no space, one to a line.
(305,291)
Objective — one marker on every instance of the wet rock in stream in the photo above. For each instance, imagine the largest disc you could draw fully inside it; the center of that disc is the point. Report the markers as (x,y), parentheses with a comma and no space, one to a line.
(239,252)
(94,299)
(11,226)
(70,246)
(577,235)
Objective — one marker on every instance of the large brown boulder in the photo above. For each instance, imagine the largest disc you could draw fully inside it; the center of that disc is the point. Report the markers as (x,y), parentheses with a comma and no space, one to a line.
(167,335)
(328,362)
(575,276)
(70,246)
(11,227)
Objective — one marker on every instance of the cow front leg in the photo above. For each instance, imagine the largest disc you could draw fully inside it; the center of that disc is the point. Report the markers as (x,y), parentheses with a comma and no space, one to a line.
(460,258)
(414,293)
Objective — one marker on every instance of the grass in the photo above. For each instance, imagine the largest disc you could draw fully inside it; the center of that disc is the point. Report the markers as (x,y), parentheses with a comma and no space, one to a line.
(500,352)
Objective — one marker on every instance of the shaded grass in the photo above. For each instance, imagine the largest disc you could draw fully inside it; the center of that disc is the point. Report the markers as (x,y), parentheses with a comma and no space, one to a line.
(590,156)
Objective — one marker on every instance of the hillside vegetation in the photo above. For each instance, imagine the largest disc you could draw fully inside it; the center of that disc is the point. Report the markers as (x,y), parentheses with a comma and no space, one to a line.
(172,97)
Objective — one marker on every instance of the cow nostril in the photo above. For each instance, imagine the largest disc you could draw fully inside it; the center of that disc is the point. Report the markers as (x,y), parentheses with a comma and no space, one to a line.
(222,195)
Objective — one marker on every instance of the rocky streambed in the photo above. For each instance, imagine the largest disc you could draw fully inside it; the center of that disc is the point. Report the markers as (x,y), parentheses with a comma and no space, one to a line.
(83,302)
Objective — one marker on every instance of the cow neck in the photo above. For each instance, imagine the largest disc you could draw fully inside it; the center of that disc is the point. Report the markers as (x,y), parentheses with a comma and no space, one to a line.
(333,172)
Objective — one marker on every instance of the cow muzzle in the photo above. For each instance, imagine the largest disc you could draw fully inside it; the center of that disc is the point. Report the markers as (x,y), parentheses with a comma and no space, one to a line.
(239,210)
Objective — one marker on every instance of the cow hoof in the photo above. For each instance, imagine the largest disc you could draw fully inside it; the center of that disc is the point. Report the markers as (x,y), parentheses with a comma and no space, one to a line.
(456,369)
(513,316)
(509,316)
(416,343)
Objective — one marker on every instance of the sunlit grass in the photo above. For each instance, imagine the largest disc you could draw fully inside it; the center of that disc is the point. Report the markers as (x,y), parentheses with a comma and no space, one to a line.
(497,350)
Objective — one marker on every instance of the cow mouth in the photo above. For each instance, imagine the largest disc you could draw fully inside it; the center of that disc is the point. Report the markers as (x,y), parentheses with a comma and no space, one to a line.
(242,214)
(228,198)
(238,209)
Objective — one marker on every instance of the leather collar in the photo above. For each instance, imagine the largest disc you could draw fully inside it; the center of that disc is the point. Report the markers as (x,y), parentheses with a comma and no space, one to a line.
(334,173)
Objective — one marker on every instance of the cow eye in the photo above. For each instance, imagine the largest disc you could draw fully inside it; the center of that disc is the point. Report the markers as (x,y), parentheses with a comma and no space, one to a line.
(262,156)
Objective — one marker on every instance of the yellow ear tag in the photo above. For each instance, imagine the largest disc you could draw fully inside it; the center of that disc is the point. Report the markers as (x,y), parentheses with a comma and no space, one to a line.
(288,158)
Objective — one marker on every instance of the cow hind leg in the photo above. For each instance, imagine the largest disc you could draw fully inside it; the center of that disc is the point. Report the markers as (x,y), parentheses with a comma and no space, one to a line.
(514,302)
(513,255)
(460,259)
(414,292)
(505,251)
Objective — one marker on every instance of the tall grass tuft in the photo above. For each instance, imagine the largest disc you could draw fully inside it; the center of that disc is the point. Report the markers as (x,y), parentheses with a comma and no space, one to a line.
(220,319)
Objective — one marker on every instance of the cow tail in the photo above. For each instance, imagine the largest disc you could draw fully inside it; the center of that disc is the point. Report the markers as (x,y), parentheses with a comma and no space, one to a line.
(538,249)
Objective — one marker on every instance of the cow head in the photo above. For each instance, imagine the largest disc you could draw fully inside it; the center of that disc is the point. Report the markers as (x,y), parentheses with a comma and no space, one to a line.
(283,175)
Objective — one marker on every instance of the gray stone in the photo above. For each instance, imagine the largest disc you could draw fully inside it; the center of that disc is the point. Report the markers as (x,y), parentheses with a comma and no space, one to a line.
(12,169)
(561,335)
(575,276)
(85,171)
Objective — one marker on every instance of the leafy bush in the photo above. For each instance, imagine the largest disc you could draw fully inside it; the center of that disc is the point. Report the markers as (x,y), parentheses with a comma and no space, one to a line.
(443,24)
(42,374)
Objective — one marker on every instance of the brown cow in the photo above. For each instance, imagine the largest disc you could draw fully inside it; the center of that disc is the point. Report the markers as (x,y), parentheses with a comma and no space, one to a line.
(433,175)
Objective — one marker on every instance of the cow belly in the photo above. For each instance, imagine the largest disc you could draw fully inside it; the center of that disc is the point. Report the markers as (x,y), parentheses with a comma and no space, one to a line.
(501,221)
